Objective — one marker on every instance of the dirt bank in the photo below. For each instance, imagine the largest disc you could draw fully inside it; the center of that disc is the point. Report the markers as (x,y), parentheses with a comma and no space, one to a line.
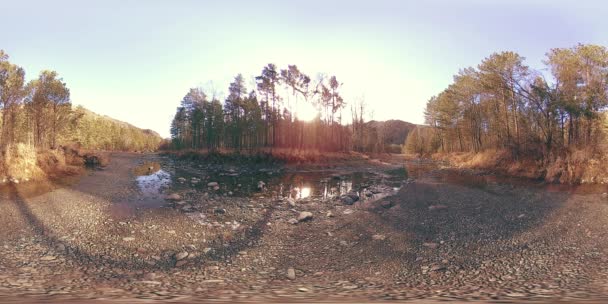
(101,237)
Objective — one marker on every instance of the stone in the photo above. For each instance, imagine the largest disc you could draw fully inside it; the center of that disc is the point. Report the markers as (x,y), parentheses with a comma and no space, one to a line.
(261,185)
(379,237)
(348,211)
(181,179)
(353,195)
(291,273)
(293,221)
(346,200)
(291,202)
(219,211)
(430,245)
(303,289)
(212,184)
(48,258)
(182,255)
(174,197)
(329,214)
(128,239)
(437,267)
(387,204)
(60,247)
(305,216)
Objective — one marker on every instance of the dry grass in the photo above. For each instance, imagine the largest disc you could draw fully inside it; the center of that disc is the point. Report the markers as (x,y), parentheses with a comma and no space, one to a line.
(21,163)
(571,167)
(269,155)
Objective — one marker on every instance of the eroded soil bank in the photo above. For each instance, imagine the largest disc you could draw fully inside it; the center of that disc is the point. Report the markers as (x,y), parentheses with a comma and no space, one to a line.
(153,227)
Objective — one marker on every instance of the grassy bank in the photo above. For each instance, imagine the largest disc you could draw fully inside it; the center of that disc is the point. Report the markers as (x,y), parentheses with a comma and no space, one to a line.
(571,167)
(23,163)
(276,155)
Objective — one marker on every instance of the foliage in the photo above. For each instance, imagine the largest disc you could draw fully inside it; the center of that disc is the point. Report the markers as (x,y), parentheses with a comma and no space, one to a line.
(504,105)
(257,119)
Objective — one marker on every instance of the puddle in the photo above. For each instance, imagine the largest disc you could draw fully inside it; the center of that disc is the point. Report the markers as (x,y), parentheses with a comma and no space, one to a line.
(151,182)
(153,185)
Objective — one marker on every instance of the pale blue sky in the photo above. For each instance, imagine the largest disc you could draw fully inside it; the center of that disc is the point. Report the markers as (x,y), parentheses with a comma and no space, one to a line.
(135,60)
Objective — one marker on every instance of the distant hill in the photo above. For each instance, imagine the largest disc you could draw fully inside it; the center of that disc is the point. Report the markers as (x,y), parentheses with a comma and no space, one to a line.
(394,131)
(101,132)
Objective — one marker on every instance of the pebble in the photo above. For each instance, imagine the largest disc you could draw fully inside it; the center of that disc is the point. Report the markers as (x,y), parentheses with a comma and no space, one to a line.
(291,273)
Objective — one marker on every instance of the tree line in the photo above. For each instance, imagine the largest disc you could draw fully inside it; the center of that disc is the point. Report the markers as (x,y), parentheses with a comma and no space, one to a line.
(265,116)
(39,113)
(505,104)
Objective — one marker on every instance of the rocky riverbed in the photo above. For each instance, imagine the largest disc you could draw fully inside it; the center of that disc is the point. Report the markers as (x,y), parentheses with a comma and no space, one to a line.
(153,227)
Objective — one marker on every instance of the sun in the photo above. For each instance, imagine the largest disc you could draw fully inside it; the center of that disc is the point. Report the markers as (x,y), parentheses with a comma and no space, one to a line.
(306,112)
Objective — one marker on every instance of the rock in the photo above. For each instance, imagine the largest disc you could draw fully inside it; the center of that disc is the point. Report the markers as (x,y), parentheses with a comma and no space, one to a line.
(605,195)
(60,247)
(378,237)
(174,197)
(348,211)
(48,258)
(437,267)
(353,195)
(128,239)
(293,221)
(261,185)
(182,255)
(430,245)
(219,211)
(329,214)
(216,188)
(291,202)
(302,289)
(346,200)
(305,216)
(150,276)
(181,179)
(180,263)
(437,207)
(212,184)
(291,273)
(387,204)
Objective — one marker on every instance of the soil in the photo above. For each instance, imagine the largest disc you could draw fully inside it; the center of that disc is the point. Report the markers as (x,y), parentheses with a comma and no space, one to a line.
(437,235)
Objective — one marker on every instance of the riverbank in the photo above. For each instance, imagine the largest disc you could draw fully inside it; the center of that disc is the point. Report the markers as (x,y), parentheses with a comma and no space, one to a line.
(201,238)
(579,167)
(24,163)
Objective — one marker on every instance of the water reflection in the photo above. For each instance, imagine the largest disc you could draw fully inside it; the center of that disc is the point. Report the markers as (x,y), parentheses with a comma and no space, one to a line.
(153,185)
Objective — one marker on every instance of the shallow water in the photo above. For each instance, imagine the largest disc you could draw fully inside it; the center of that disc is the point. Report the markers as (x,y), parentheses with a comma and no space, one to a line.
(245,181)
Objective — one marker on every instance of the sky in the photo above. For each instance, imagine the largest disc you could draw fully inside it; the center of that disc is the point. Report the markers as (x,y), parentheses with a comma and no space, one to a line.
(135,60)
